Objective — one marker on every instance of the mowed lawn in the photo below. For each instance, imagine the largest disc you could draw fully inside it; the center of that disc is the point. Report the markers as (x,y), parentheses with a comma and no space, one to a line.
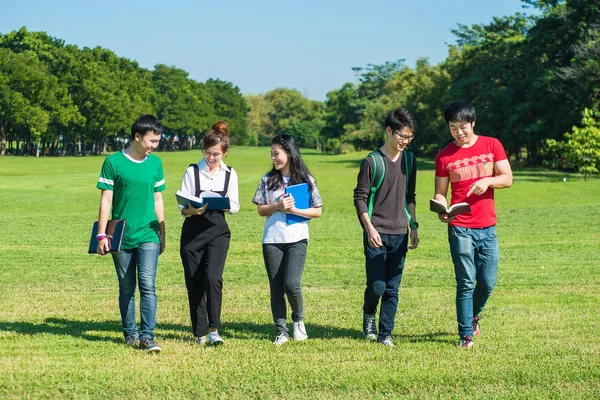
(60,330)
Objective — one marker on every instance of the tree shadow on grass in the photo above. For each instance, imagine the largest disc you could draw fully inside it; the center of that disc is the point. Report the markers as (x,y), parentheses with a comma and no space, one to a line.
(87,330)
(66,327)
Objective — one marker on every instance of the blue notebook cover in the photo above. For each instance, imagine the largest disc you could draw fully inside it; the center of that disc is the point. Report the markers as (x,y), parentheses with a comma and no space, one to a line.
(301,197)
(214,203)
(115,229)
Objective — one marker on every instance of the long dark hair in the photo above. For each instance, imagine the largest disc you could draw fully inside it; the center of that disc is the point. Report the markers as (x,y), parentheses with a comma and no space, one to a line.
(298,171)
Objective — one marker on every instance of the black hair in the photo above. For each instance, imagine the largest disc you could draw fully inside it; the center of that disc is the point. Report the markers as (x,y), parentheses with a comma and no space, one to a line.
(298,171)
(144,124)
(460,111)
(399,119)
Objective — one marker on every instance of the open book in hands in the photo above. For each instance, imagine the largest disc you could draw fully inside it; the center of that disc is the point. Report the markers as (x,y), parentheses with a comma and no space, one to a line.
(452,211)
(215,200)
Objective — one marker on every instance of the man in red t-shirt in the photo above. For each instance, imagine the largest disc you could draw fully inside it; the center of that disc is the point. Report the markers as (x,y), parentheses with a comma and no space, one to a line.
(474,166)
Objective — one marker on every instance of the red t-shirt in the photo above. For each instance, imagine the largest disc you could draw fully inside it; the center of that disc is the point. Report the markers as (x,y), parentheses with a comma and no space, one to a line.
(464,166)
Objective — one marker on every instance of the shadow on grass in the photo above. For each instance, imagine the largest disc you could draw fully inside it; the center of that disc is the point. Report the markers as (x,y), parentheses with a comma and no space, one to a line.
(87,330)
(246,330)
(90,330)
(437,337)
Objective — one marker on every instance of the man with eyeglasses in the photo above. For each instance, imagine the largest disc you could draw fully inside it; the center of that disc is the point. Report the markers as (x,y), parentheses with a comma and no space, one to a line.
(384,199)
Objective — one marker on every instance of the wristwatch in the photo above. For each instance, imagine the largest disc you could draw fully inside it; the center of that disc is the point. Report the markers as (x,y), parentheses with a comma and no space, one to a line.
(416,225)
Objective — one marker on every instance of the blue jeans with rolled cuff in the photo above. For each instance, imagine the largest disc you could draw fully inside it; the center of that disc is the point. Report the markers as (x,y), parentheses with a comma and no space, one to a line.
(141,262)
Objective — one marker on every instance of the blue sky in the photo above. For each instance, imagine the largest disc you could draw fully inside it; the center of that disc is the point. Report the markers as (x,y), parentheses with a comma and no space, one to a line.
(259,45)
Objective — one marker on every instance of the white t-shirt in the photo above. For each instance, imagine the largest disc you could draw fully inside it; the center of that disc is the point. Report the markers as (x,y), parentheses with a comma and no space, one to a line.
(276,228)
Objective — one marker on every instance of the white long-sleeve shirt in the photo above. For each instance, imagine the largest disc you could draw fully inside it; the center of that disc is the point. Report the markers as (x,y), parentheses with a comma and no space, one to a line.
(214,183)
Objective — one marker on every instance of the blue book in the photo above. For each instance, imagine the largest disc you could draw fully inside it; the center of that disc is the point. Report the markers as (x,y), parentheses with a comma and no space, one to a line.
(301,196)
(115,229)
(214,200)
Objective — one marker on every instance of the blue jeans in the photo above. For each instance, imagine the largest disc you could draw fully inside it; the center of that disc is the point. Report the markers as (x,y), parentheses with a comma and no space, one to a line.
(475,256)
(144,261)
(384,267)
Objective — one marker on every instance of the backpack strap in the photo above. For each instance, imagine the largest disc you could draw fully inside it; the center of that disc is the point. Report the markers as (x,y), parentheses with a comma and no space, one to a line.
(226,184)
(377,179)
(409,159)
(197,178)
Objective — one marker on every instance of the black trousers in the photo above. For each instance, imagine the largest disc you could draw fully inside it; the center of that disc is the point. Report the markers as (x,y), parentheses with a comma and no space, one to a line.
(204,246)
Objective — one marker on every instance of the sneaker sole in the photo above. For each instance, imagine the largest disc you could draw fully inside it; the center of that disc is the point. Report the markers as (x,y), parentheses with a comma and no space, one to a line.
(155,349)
(371,337)
(217,343)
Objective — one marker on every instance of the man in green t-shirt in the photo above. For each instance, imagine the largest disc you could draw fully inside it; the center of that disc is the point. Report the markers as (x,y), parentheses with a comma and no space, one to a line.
(131,182)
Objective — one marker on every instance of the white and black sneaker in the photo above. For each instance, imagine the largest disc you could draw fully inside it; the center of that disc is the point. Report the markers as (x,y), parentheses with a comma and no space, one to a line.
(369,328)
(149,345)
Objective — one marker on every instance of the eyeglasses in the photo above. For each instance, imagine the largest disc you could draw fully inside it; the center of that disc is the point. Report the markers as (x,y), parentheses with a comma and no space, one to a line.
(404,137)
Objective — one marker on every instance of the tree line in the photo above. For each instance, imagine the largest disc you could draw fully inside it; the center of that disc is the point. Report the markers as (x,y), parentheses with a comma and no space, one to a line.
(534,80)
(58,99)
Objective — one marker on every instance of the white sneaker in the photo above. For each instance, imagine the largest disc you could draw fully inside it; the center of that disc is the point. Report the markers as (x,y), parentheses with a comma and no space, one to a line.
(387,341)
(214,339)
(201,340)
(281,339)
(300,331)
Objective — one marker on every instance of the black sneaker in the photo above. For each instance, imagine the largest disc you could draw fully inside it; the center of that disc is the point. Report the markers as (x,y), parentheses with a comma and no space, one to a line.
(148,344)
(131,341)
(369,328)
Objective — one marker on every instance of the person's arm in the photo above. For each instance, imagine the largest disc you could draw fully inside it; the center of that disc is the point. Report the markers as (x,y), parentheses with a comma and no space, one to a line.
(233,193)
(414,232)
(373,236)
(285,204)
(441,191)
(361,196)
(106,198)
(159,210)
(312,212)
(502,179)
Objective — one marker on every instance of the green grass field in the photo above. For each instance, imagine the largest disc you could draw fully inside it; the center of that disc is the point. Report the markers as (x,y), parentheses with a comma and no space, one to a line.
(60,330)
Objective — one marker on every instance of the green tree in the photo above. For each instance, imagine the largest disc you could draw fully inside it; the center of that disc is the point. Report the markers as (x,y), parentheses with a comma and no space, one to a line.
(258,120)
(580,149)
(342,115)
(229,105)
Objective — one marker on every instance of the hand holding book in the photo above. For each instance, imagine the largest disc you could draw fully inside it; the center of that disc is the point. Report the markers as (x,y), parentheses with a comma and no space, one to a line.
(452,211)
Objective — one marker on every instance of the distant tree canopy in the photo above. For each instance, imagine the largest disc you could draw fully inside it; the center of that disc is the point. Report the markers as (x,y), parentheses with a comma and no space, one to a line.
(58,99)
(533,79)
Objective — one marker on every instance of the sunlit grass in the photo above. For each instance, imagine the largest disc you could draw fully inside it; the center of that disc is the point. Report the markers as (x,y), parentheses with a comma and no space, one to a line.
(60,332)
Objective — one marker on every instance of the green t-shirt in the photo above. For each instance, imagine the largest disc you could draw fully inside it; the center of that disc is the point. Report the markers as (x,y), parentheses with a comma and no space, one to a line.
(133,184)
